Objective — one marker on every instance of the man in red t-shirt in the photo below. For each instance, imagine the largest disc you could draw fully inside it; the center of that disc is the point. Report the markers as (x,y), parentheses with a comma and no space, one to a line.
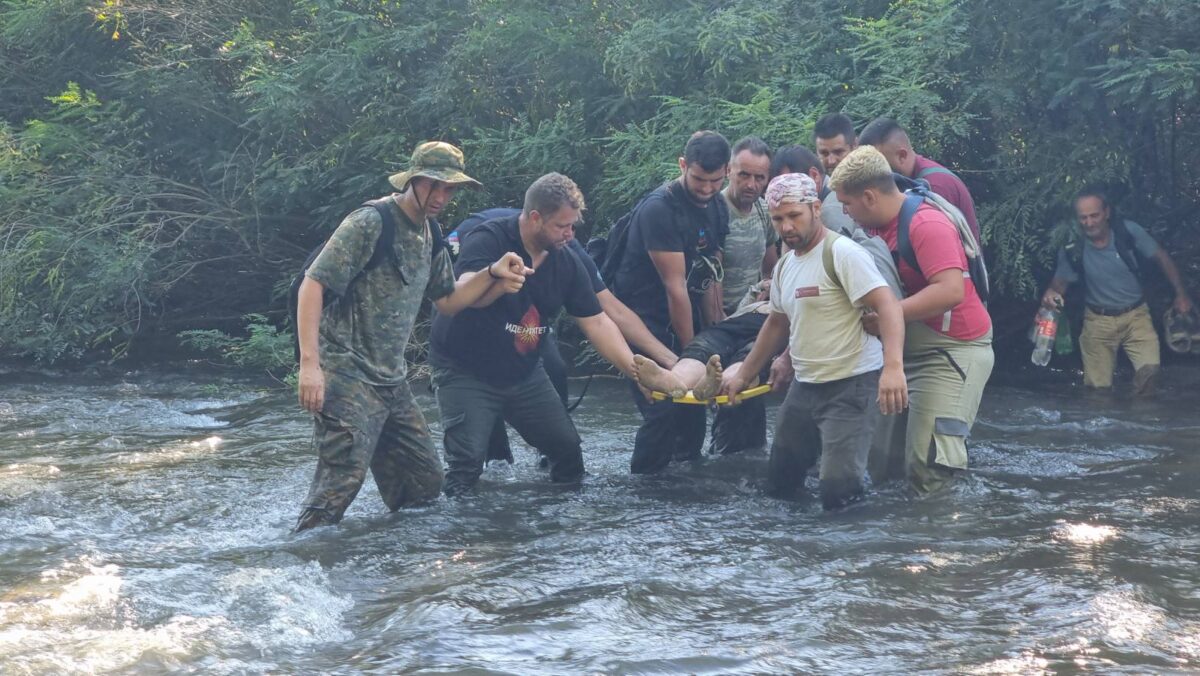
(948,333)
(889,138)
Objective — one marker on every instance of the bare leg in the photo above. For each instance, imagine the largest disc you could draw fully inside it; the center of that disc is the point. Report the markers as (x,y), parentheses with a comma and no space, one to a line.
(710,384)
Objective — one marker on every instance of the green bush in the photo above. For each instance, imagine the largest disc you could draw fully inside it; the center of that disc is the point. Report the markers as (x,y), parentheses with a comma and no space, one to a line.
(168,164)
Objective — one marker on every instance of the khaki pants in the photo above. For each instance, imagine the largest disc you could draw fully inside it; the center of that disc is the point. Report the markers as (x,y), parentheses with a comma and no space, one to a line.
(1101,338)
(946,378)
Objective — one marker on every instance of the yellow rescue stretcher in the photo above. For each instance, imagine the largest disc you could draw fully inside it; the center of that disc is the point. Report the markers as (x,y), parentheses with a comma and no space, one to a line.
(720,400)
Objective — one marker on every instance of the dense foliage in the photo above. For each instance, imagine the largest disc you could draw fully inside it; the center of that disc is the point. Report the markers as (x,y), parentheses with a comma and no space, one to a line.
(166,165)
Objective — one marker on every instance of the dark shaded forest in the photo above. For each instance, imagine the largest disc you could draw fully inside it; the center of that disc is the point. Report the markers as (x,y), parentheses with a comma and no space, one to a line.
(166,166)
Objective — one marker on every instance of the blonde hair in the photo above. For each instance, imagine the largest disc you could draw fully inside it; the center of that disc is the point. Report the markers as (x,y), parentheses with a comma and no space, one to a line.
(865,167)
(552,192)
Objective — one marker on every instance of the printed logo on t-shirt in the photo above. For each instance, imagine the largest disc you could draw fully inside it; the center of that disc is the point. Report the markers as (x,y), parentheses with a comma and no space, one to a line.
(808,291)
(528,334)
(453,243)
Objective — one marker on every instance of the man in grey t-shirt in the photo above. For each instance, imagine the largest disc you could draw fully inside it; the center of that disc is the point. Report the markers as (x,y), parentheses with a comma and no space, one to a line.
(750,251)
(749,255)
(1109,260)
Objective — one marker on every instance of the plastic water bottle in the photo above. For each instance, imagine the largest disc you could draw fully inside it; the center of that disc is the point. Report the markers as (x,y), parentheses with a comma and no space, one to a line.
(1047,329)
(1064,344)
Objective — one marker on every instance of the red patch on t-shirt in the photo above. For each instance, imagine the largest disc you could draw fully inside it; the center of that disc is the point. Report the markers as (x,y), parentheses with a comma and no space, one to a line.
(808,291)
(529,334)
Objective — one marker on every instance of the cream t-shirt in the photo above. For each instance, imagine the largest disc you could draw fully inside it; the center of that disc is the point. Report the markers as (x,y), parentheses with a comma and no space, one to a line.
(827,340)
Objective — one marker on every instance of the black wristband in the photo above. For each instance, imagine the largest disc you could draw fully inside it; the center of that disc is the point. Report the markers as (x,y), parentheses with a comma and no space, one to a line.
(492,274)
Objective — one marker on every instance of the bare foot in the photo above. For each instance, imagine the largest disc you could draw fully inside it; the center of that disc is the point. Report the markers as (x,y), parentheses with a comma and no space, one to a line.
(651,376)
(708,386)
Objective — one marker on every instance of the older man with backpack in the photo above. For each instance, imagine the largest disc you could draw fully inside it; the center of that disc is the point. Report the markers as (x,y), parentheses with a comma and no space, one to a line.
(355,308)
(1108,259)
(948,335)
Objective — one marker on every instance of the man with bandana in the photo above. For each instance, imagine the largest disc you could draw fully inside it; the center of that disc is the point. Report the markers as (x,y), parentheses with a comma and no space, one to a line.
(844,377)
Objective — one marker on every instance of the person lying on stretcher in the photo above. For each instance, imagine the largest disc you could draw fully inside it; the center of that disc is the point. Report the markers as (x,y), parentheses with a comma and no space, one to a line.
(699,369)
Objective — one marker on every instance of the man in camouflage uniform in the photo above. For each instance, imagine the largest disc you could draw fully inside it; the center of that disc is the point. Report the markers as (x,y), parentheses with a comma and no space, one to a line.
(352,370)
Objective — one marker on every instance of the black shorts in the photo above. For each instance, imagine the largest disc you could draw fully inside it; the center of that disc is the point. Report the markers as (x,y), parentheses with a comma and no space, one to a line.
(732,339)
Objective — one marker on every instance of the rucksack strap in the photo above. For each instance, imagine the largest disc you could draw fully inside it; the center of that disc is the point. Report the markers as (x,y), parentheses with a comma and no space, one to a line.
(827,258)
(1126,247)
(912,201)
(385,245)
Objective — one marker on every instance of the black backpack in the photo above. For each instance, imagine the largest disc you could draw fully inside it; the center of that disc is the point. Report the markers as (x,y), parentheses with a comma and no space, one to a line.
(916,193)
(607,252)
(384,250)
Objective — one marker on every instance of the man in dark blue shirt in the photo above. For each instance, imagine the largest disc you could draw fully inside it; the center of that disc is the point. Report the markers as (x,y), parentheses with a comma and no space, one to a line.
(668,233)
(488,359)
(627,321)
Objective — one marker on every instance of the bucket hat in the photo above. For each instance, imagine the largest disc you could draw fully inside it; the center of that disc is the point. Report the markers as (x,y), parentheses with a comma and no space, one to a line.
(438,160)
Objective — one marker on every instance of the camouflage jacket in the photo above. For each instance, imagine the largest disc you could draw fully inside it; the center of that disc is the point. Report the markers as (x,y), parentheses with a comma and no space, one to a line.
(365,329)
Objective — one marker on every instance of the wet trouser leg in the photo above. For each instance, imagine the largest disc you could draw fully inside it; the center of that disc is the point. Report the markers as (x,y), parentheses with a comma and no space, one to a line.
(668,431)
(1141,344)
(363,426)
(886,461)
(535,410)
(797,443)
(1098,345)
(1103,336)
(470,409)
(946,379)
(556,369)
(834,422)
(739,428)
(743,427)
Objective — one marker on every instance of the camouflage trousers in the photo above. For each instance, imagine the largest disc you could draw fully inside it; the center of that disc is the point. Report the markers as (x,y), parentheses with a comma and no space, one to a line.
(365,426)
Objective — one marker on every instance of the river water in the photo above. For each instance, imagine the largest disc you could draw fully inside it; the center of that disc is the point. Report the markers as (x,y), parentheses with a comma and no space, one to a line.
(145,528)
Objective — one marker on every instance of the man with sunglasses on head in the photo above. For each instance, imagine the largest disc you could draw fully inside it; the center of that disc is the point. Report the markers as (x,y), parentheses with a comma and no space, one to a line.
(674,228)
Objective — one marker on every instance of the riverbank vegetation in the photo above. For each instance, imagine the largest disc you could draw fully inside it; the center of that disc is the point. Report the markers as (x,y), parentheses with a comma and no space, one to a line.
(165,166)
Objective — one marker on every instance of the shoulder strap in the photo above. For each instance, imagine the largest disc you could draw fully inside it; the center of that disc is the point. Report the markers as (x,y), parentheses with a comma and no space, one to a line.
(1074,250)
(765,215)
(438,240)
(928,171)
(385,245)
(912,202)
(827,257)
(1126,247)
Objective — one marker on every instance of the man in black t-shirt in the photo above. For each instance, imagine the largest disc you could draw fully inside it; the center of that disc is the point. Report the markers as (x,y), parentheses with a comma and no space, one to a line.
(487,359)
(627,321)
(669,231)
